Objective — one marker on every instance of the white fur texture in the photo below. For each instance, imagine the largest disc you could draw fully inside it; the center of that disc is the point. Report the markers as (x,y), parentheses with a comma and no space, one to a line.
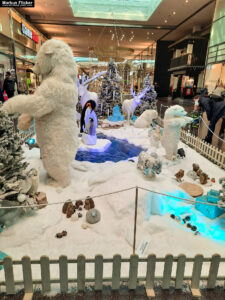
(129,106)
(175,118)
(145,119)
(53,107)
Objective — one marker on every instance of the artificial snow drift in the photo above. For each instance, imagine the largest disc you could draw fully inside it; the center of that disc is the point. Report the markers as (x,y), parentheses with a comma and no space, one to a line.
(35,235)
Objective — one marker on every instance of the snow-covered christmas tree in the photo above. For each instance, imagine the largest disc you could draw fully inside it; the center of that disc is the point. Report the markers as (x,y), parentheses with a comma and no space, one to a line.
(110,92)
(17,186)
(149,100)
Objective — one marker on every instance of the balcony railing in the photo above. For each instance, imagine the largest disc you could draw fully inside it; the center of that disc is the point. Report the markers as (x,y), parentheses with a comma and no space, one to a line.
(188,60)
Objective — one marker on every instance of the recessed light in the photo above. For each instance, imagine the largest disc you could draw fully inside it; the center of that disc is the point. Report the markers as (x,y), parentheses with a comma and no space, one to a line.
(174,12)
(147,33)
(165,21)
(186,1)
(152,32)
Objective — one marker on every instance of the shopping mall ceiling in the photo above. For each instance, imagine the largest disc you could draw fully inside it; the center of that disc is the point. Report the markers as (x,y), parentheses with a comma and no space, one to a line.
(118,28)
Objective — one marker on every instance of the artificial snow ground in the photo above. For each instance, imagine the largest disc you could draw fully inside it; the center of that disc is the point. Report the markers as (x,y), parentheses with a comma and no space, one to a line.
(35,235)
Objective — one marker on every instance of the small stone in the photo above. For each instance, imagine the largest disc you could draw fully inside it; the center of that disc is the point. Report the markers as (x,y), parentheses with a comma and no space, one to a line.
(93,216)
(187,218)
(79,215)
(188,225)
(61,234)
(21,197)
(194,228)
(80,208)
(74,217)
(84,225)
(172,216)
(192,175)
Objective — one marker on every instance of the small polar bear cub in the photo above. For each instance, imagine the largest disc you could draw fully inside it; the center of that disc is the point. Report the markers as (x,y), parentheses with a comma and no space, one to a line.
(146,118)
(53,107)
(175,118)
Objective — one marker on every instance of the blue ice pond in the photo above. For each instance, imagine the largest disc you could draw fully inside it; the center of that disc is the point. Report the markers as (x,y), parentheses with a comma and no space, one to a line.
(117,151)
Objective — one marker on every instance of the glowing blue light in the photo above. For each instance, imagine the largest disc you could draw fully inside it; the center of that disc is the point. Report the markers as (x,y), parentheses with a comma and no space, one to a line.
(213,229)
(85,59)
(31,141)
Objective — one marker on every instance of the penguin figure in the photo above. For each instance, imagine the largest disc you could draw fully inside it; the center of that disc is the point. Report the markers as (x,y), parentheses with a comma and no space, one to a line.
(91,104)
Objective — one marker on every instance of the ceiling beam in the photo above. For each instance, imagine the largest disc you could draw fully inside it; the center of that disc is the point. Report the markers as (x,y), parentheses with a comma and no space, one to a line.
(99,24)
(188,18)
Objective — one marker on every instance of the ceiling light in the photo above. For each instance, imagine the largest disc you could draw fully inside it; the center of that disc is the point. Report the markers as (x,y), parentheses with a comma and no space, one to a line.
(152,33)
(186,1)
(147,33)
(165,21)
(174,12)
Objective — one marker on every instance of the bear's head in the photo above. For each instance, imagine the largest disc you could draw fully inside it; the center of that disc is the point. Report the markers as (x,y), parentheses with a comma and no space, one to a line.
(55,54)
(150,114)
(175,111)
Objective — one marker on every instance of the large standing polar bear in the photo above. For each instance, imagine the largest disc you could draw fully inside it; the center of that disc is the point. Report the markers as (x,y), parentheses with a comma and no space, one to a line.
(175,118)
(53,106)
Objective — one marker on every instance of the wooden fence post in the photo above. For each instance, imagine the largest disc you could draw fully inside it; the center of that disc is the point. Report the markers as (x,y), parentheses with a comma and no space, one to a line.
(180,271)
(81,273)
(213,271)
(45,274)
(98,272)
(167,271)
(151,263)
(27,275)
(196,274)
(116,272)
(63,273)
(9,277)
(132,283)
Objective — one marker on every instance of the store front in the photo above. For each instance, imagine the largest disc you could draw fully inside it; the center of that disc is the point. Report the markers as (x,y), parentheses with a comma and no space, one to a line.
(18,49)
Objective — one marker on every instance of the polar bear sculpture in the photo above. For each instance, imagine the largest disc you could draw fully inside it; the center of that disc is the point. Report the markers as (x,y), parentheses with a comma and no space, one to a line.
(175,118)
(53,106)
(146,118)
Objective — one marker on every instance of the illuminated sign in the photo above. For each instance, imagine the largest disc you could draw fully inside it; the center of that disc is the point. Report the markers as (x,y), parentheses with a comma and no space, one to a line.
(30,33)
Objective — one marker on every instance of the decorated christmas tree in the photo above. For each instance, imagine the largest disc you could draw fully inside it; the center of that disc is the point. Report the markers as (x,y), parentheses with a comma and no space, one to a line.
(17,186)
(110,92)
(148,101)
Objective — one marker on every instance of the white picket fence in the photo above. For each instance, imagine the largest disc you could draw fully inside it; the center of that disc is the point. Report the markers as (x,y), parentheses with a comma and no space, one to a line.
(133,280)
(214,154)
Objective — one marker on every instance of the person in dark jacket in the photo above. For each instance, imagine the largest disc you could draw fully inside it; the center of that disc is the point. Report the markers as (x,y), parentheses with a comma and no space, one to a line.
(9,85)
(214,106)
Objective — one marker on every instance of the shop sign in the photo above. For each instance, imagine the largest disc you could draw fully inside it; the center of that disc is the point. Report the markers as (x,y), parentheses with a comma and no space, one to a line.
(30,33)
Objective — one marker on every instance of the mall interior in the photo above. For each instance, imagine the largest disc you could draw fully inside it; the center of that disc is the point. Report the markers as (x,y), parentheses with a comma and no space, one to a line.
(144,72)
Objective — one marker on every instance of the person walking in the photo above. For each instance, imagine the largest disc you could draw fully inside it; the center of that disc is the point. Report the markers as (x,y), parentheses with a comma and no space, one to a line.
(9,85)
